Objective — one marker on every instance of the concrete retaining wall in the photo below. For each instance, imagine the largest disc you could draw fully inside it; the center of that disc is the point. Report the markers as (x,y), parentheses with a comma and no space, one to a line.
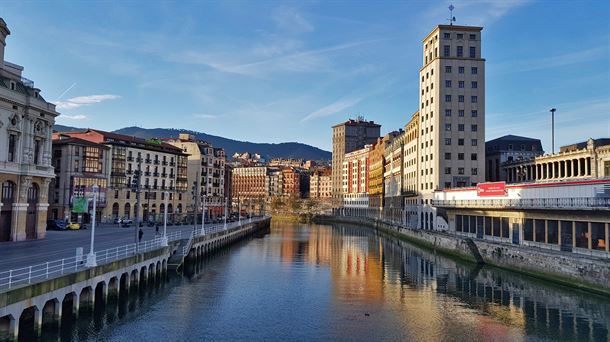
(592,274)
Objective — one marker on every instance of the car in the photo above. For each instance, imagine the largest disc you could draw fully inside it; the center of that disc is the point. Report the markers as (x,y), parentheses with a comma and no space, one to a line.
(126,223)
(56,225)
(73,226)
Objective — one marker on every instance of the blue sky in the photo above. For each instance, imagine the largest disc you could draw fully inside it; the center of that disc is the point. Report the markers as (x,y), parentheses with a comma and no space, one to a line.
(275,71)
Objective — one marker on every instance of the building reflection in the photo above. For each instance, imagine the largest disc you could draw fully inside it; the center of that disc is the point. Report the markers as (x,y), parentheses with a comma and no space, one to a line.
(434,293)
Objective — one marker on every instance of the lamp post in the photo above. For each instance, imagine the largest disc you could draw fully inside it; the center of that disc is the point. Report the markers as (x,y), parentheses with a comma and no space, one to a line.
(164,237)
(225,227)
(203,200)
(239,210)
(552,110)
(91,261)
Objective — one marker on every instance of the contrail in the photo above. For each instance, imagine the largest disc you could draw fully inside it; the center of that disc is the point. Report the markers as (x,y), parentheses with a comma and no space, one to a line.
(65,91)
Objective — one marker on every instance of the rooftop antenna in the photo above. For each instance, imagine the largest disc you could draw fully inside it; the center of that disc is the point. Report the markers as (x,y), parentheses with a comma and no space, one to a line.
(451,17)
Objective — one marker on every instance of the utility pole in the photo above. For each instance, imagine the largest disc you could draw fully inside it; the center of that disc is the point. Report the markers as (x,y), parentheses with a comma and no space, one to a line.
(553,130)
(196,189)
(204,199)
(137,180)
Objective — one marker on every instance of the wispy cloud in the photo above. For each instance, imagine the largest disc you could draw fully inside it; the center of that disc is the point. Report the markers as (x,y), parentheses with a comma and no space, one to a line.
(548,62)
(77,117)
(205,116)
(289,19)
(80,101)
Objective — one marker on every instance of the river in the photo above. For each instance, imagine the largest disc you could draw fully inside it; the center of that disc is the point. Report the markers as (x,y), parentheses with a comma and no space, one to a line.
(305,282)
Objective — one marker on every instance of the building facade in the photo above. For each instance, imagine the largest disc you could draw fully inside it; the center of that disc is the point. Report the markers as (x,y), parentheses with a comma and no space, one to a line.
(163,174)
(26,124)
(79,166)
(586,160)
(349,136)
(320,183)
(206,167)
(376,167)
(356,178)
(250,182)
(508,148)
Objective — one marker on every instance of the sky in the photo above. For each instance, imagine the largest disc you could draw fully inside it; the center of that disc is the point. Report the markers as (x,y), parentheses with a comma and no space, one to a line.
(282,71)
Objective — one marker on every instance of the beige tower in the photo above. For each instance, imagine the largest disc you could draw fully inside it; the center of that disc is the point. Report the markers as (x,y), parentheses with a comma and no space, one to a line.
(452,113)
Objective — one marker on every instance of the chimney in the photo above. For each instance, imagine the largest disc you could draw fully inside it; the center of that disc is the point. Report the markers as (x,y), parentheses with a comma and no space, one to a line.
(4,32)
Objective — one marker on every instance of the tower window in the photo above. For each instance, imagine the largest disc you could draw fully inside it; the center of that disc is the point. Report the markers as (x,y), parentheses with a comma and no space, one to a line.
(460,51)
(446,50)
(473,52)
(447,35)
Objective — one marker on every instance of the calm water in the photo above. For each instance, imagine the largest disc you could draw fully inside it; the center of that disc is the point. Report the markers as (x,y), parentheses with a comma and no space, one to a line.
(319,283)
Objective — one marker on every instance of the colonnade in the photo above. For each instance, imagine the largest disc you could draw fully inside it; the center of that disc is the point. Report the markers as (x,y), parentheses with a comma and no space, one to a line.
(560,169)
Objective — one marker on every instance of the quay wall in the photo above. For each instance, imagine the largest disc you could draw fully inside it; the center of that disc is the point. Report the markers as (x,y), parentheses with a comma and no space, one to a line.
(574,270)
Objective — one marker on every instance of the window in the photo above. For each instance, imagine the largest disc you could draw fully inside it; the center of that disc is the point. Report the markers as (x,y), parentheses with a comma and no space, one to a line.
(473,52)
(447,35)
(12,146)
(447,112)
(448,84)
(446,50)
(460,142)
(422,78)
(474,171)
(460,51)
(460,98)
(473,99)
(473,156)
(460,36)
(447,156)
(461,70)
(472,37)
(460,156)
(461,127)
(448,127)
(447,141)
(461,112)
(447,98)
(460,84)
(474,70)
(474,128)
(447,170)
(474,142)
(474,113)
(448,69)
(460,170)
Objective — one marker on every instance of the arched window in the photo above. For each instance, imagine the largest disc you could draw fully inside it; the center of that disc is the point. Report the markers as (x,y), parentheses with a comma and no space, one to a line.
(115,210)
(8,192)
(170,208)
(33,193)
(127,210)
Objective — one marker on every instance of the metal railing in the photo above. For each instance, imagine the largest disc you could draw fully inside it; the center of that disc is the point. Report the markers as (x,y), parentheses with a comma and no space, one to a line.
(529,203)
(47,270)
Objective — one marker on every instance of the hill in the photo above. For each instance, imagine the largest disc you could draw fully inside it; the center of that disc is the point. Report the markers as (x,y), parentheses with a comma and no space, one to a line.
(267,150)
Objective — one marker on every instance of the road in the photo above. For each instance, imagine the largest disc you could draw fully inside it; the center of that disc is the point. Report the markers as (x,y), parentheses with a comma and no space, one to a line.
(62,244)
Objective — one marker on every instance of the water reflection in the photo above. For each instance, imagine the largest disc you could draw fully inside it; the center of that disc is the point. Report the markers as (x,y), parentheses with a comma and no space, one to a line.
(312,282)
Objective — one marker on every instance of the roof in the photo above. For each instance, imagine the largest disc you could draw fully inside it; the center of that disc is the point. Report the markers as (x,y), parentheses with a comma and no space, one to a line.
(581,145)
(62,139)
(503,144)
(358,122)
(110,138)
(453,27)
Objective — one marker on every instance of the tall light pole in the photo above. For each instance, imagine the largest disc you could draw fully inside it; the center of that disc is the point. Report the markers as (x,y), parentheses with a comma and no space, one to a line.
(164,237)
(225,227)
(239,210)
(91,261)
(203,199)
(553,130)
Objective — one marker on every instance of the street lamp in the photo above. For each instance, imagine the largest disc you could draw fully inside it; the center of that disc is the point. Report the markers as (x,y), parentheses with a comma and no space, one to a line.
(552,110)
(164,237)
(204,199)
(239,210)
(225,227)
(91,261)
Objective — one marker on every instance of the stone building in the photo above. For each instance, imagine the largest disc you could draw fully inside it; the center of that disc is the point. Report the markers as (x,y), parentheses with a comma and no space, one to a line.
(393,155)
(26,124)
(320,183)
(349,136)
(250,182)
(163,170)
(207,163)
(585,160)
(79,165)
(376,167)
(356,178)
(507,149)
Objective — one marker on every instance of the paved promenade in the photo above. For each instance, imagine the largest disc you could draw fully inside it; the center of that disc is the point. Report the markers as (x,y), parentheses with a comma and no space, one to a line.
(62,244)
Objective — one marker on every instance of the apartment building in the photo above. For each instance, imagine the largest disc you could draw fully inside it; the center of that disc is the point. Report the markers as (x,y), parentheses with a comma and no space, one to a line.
(163,173)
(320,183)
(250,182)
(376,167)
(349,136)
(356,178)
(452,114)
(79,166)
(26,124)
(206,167)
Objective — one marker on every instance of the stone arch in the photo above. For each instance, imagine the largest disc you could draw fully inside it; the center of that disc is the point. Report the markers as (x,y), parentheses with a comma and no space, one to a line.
(101,292)
(69,307)
(29,324)
(124,283)
(158,267)
(164,266)
(151,272)
(115,210)
(7,328)
(86,299)
(51,314)
(143,276)
(134,277)
(113,286)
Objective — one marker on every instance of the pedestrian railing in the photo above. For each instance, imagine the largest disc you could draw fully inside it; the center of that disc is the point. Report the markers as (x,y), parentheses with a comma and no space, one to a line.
(47,270)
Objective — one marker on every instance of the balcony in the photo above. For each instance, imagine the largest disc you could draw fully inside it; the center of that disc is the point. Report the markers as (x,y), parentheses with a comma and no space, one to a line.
(164,163)
(582,203)
(155,174)
(172,164)
(148,161)
(156,162)
(155,187)
(171,175)
(147,173)
(164,175)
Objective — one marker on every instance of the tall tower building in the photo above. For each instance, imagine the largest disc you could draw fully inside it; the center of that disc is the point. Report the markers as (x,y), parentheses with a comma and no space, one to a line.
(452,113)
(349,136)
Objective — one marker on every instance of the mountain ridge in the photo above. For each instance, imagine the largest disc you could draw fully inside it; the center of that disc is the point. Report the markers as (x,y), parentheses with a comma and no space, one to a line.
(267,150)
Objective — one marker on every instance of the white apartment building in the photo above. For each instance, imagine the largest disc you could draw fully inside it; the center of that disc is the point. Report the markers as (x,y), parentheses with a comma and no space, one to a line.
(452,114)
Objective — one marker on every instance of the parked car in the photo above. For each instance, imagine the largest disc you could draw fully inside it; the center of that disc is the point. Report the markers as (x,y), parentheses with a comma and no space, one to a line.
(56,225)
(74,226)
(126,223)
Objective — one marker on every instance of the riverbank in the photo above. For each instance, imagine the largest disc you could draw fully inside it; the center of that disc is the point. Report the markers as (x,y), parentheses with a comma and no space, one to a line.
(572,270)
